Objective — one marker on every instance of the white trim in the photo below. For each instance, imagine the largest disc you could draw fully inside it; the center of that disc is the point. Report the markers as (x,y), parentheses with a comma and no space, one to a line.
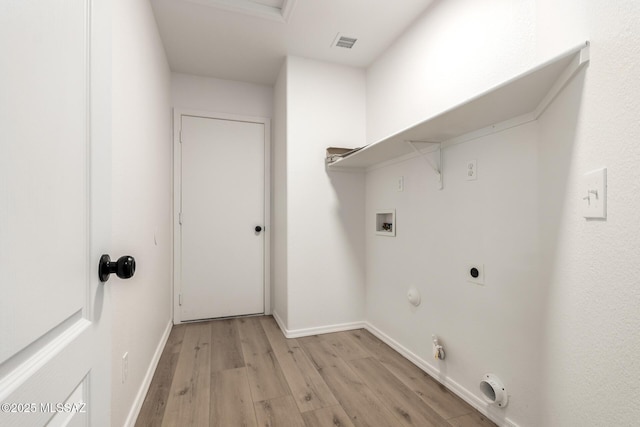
(495,415)
(91,282)
(467,137)
(572,69)
(26,369)
(492,129)
(177,186)
(267,216)
(397,160)
(305,332)
(144,387)
(175,223)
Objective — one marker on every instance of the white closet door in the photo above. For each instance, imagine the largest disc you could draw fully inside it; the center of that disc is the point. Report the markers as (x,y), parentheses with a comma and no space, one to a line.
(222,204)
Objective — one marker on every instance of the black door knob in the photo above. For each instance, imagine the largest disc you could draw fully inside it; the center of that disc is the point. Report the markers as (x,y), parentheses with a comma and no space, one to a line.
(124,268)
(258,229)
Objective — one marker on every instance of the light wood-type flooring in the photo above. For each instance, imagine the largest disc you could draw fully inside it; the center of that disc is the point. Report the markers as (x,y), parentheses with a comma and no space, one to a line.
(244,372)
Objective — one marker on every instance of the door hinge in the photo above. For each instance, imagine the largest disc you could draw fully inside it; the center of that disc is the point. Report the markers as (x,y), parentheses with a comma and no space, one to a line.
(179,299)
(180,137)
(180,218)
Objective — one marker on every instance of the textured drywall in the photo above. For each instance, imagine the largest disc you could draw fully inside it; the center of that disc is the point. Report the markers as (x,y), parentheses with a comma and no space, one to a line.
(592,320)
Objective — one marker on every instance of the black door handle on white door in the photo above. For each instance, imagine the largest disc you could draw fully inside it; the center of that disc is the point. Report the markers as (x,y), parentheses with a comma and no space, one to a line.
(258,229)
(124,268)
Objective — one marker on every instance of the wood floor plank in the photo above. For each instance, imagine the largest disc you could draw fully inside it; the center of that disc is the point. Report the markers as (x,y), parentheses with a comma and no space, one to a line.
(444,402)
(473,419)
(265,375)
(176,337)
(154,405)
(226,349)
(231,403)
(320,353)
(332,416)
(359,401)
(279,412)
(408,408)
(307,386)
(191,386)
(347,347)
(188,402)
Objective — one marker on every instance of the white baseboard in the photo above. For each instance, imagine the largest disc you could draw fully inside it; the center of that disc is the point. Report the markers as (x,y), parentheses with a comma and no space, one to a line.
(495,415)
(450,384)
(305,332)
(146,382)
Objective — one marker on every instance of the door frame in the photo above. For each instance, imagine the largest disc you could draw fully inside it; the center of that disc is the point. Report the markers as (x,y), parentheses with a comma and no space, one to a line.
(177,199)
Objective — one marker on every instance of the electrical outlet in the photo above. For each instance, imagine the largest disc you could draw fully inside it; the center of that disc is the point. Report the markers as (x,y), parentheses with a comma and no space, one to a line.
(475,273)
(472,170)
(400,186)
(125,367)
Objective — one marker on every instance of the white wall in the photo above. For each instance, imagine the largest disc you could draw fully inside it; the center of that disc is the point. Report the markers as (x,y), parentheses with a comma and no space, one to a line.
(557,319)
(141,198)
(454,51)
(491,221)
(221,96)
(325,239)
(592,322)
(279,262)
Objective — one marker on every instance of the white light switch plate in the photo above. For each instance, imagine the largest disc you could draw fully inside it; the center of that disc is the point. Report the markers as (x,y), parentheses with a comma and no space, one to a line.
(593,194)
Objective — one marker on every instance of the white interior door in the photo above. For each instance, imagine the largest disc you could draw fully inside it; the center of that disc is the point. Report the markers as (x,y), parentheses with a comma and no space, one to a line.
(54,313)
(223,200)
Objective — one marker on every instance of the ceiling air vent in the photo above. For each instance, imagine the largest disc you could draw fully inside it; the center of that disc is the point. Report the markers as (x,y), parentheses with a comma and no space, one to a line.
(344,41)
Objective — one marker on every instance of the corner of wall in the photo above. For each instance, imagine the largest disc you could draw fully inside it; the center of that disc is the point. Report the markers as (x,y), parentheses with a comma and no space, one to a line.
(279,206)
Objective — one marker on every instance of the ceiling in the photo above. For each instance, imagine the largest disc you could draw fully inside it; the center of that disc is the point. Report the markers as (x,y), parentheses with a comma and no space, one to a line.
(247,40)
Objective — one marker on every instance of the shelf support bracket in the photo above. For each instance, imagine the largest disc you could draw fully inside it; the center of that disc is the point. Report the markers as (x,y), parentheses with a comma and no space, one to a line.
(578,62)
(435,166)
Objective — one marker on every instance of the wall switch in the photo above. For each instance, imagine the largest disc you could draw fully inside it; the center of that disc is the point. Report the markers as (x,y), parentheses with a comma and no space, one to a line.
(400,186)
(125,367)
(472,170)
(593,194)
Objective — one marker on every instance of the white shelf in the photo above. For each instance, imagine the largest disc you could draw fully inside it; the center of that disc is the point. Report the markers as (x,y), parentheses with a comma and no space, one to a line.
(525,97)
